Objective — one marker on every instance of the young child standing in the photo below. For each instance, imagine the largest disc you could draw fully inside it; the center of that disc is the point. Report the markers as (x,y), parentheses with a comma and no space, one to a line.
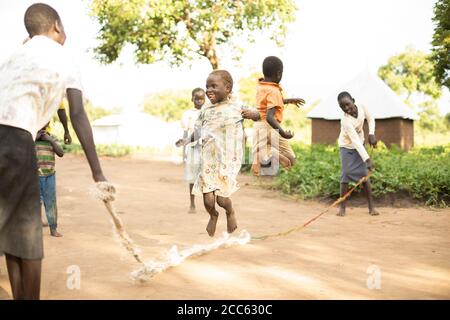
(33,81)
(191,152)
(354,158)
(220,131)
(46,147)
(272,146)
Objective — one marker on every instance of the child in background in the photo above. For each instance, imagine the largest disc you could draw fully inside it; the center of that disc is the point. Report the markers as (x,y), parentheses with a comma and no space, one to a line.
(192,151)
(46,147)
(354,157)
(220,131)
(272,146)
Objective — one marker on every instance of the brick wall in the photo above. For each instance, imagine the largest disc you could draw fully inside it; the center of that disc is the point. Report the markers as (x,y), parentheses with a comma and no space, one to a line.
(391,131)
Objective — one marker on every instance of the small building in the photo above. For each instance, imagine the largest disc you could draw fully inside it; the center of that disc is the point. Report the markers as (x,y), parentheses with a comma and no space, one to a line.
(136,129)
(394,119)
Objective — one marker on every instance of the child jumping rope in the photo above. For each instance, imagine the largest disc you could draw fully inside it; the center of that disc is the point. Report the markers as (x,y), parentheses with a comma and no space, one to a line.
(220,132)
(271,140)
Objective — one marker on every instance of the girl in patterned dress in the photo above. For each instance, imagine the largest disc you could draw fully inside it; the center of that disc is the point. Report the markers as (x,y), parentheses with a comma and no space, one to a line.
(220,132)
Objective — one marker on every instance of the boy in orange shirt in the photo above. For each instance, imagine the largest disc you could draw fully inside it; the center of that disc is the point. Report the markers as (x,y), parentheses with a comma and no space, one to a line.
(271,141)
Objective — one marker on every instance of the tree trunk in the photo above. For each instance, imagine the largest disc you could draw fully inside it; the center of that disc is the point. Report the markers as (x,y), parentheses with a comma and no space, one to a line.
(208,49)
(213,59)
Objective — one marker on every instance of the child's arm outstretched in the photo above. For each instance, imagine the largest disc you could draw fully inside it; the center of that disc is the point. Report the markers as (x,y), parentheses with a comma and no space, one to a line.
(83,130)
(250,113)
(186,140)
(274,124)
(295,101)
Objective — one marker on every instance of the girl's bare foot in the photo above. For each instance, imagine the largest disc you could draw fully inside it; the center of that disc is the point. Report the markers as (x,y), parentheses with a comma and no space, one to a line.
(373,212)
(211,227)
(231,222)
(341,212)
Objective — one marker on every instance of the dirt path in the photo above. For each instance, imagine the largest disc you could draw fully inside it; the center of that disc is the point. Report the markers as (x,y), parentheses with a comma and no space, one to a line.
(328,260)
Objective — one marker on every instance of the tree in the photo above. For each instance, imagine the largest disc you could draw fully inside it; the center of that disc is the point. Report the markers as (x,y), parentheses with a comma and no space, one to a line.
(411,72)
(431,118)
(441,42)
(168,105)
(179,30)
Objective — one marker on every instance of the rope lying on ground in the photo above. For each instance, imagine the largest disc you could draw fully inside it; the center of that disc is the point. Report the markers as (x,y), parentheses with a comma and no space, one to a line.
(173,257)
(298,228)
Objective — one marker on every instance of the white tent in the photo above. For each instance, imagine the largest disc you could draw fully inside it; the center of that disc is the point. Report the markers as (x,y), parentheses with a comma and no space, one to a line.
(368,89)
(136,129)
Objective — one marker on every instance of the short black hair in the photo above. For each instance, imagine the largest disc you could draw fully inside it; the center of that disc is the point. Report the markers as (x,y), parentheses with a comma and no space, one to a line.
(39,18)
(225,75)
(197,90)
(344,94)
(271,65)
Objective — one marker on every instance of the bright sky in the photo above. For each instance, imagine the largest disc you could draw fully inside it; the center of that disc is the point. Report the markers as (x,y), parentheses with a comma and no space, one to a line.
(330,42)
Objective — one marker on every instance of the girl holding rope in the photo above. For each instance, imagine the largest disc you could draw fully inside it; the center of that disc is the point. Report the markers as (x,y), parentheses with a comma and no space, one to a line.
(354,158)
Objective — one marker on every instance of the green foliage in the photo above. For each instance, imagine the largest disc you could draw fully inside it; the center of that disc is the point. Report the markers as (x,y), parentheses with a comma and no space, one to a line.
(447,120)
(431,118)
(95,113)
(110,150)
(247,88)
(411,72)
(421,173)
(441,42)
(168,105)
(177,30)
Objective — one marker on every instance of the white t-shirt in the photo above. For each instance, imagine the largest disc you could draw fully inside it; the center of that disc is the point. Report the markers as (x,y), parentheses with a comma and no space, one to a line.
(188,120)
(33,81)
(352,131)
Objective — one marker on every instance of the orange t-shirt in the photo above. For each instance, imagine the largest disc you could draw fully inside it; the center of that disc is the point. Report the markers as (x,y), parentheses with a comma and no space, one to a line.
(269,95)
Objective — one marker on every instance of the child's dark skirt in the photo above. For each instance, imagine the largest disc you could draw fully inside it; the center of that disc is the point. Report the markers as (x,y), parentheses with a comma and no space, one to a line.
(353,167)
(20,212)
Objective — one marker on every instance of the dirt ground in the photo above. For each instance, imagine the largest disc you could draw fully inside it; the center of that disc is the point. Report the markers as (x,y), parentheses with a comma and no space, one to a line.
(406,249)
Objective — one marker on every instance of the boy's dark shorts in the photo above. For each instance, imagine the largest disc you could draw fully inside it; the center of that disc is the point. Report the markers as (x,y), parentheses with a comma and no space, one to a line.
(20,212)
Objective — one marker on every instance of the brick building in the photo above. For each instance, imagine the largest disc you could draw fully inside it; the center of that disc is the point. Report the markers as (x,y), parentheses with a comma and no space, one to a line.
(394,119)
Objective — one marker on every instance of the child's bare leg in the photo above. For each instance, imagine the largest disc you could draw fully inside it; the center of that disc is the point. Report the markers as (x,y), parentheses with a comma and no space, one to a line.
(192,197)
(231,217)
(285,162)
(209,200)
(31,277)
(344,190)
(368,190)
(15,276)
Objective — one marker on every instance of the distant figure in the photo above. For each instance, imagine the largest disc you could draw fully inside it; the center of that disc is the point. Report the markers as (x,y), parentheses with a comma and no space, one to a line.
(192,151)
(272,146)
(46,147)
(354,158)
